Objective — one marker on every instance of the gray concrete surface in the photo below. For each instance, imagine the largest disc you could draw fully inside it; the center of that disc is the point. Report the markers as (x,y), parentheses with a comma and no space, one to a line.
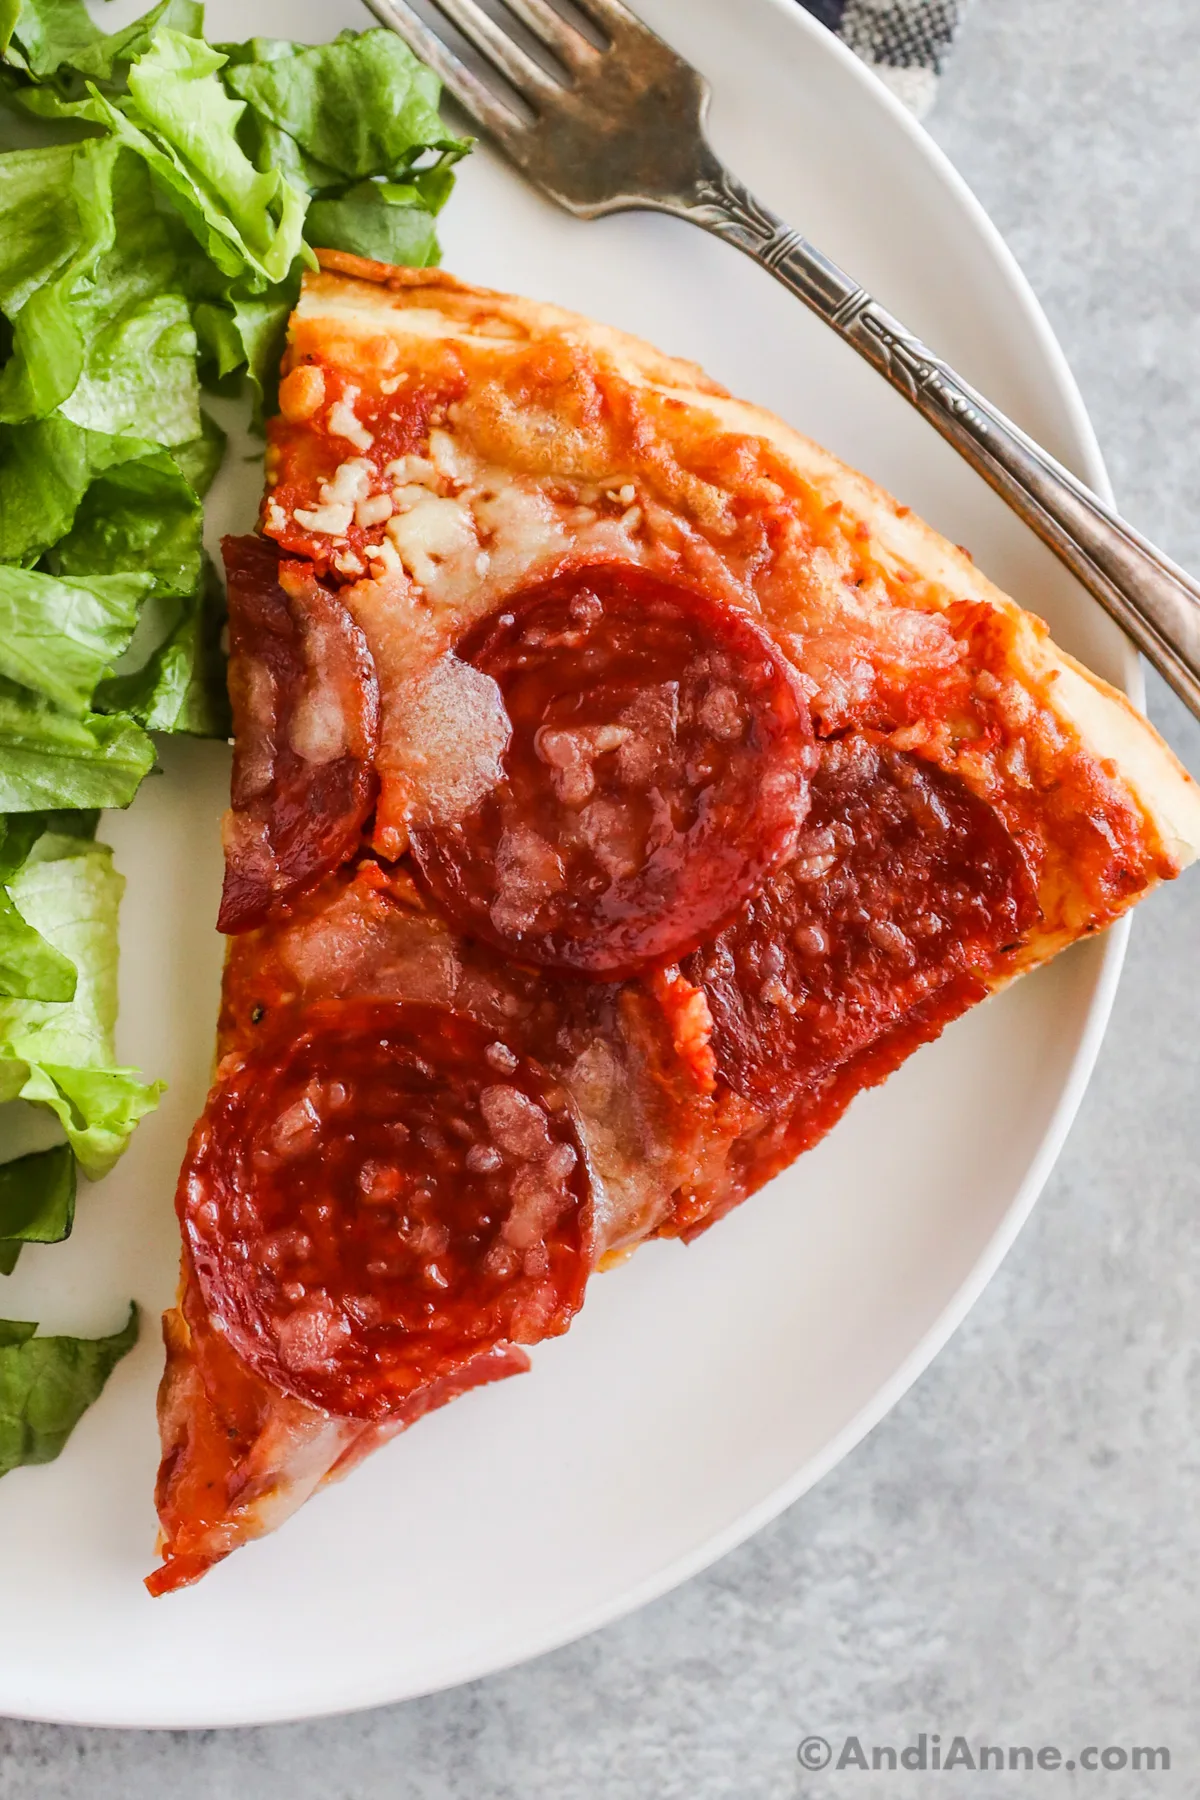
(1013,1554)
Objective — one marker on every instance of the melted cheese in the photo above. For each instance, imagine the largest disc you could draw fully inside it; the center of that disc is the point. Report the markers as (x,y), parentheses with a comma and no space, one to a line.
(428,531)
(343,421)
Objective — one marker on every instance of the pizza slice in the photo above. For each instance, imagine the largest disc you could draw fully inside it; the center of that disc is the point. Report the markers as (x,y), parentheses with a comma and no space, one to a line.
(621,784)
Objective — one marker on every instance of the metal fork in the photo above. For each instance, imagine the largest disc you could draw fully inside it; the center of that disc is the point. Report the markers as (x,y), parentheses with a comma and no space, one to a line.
(623,128)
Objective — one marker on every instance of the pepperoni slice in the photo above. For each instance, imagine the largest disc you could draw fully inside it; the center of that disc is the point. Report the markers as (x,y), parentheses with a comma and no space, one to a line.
(656,772)
(377,1197)
(306,718)
(905,883)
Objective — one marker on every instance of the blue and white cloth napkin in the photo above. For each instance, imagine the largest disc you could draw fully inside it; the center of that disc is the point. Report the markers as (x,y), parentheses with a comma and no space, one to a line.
(904,41)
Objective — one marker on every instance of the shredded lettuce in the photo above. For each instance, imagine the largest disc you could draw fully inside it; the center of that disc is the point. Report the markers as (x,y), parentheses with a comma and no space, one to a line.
(152,242)
(165,246)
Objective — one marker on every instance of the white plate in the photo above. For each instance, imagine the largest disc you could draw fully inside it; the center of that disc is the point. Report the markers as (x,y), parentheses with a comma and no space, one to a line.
(701,1390)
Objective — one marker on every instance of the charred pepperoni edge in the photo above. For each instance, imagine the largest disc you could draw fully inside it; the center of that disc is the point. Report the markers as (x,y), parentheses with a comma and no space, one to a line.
(631,932)
(390,1375)
(308,818)
(944,852)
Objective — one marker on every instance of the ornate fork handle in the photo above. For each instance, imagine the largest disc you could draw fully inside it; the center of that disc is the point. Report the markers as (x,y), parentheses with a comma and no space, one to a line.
(1156,602)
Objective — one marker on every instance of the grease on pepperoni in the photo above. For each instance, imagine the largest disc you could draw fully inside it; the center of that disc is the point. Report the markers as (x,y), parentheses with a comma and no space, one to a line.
(904,884)
(656,771)
(306,718)
(380,1195)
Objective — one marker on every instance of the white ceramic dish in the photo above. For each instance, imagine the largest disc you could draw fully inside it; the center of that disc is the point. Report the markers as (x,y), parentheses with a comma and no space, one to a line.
(701,1390)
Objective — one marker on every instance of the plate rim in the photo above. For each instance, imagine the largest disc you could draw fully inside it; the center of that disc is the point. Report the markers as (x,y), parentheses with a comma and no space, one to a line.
(1086,458)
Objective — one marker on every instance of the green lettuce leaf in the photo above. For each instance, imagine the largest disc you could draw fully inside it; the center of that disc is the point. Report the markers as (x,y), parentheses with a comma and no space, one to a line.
(140,518)
(41,226)
(44,473)
(107,337)
(56,35)
(49,758)
(47,1384)
(142,514)
(201,457)
(47,101)
(138,372)
(246,331)
(70,890)
(103,504)
(129,510)
(37,1201)
(259,49)
(179,118)
(19,832)
(175,92)
(181,686)
(30,968)
(361,106)
(61,637)
(97,1108)
(61,1056)
(46,467)
(50,33)
(46,360)
(51,244)
(381,219)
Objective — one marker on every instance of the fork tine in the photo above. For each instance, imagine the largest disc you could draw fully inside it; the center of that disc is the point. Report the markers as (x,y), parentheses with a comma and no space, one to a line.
(567,43)
(474,95)
(492,41)
(610,15)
